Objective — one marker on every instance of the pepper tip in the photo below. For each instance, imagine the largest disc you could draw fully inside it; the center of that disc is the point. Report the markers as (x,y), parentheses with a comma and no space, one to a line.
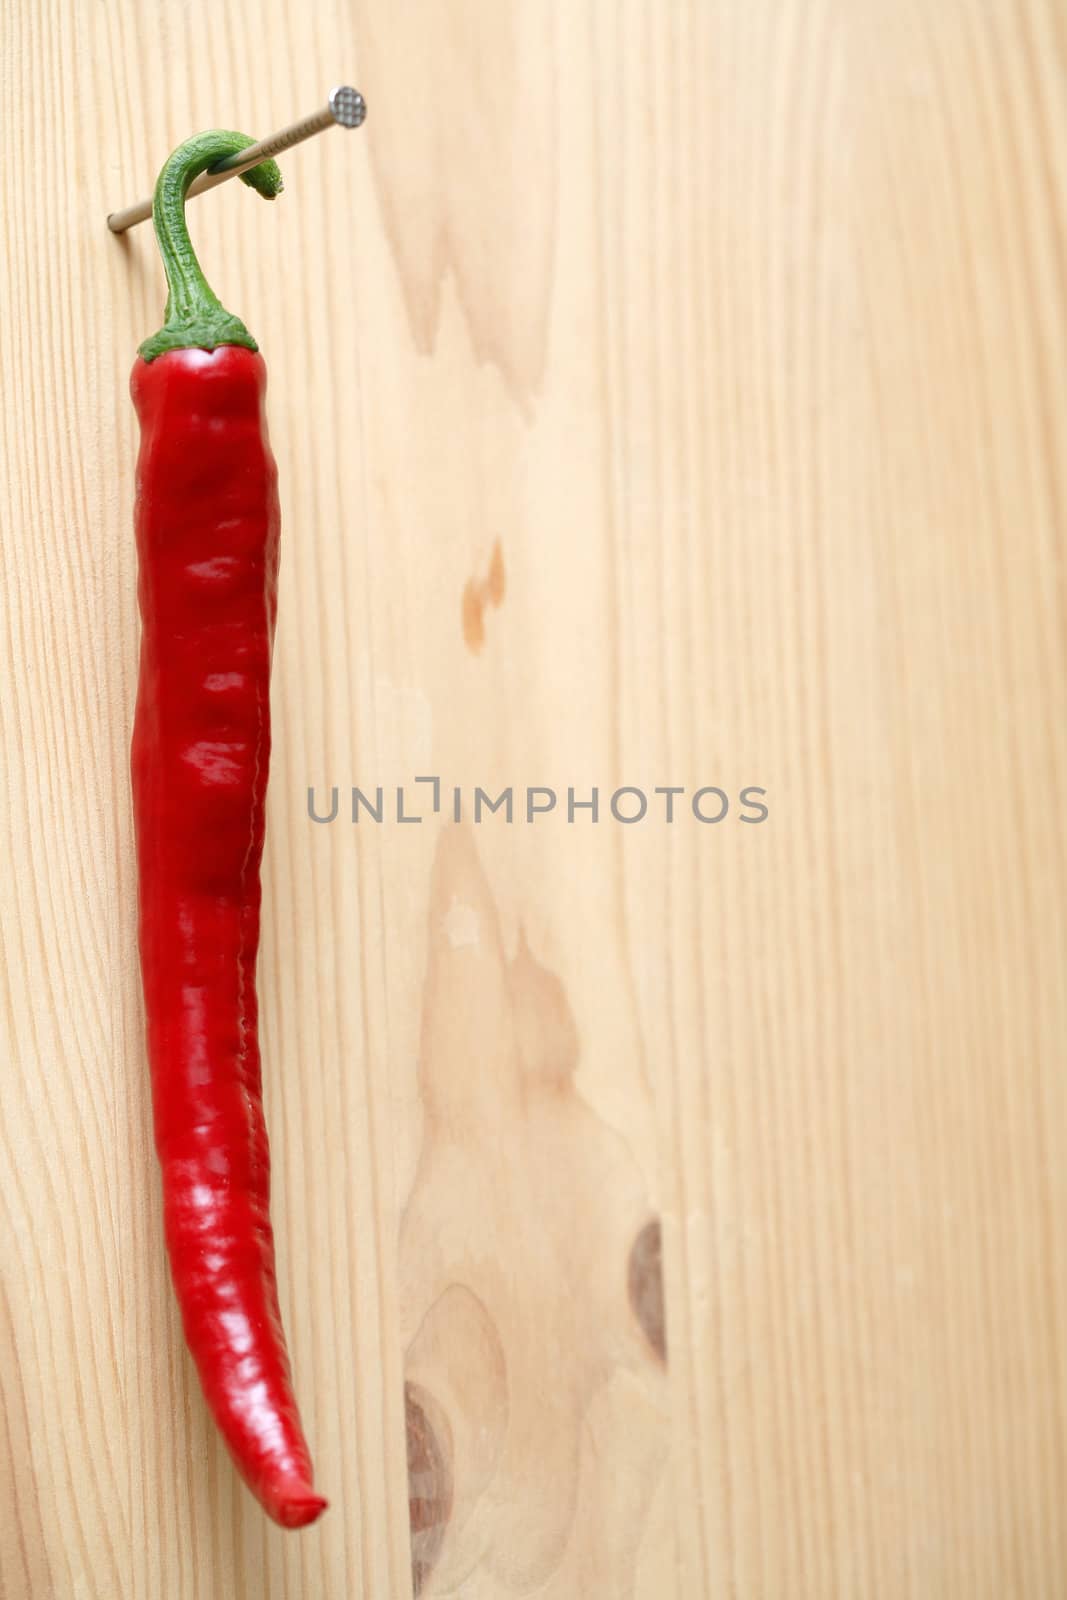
(296,1505)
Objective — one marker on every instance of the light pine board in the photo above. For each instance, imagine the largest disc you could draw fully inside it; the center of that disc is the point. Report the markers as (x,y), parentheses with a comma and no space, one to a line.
(663,393)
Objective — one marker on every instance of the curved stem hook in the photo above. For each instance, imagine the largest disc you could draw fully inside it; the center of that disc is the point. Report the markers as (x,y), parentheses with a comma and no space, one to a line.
(195,318)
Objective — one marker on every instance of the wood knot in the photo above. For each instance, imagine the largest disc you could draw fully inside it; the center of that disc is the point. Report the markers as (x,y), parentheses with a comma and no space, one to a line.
(429,1482)
(645,1285)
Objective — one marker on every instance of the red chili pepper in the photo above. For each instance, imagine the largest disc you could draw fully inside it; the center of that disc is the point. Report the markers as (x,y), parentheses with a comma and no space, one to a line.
(207,539)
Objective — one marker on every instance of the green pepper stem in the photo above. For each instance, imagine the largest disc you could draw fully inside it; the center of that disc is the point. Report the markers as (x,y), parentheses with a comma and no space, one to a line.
(195,318)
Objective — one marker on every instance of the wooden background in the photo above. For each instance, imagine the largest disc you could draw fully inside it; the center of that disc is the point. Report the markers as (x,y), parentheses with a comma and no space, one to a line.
(665,392)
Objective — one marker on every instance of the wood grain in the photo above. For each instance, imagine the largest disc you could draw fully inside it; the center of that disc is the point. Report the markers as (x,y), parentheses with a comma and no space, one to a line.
(662,395)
